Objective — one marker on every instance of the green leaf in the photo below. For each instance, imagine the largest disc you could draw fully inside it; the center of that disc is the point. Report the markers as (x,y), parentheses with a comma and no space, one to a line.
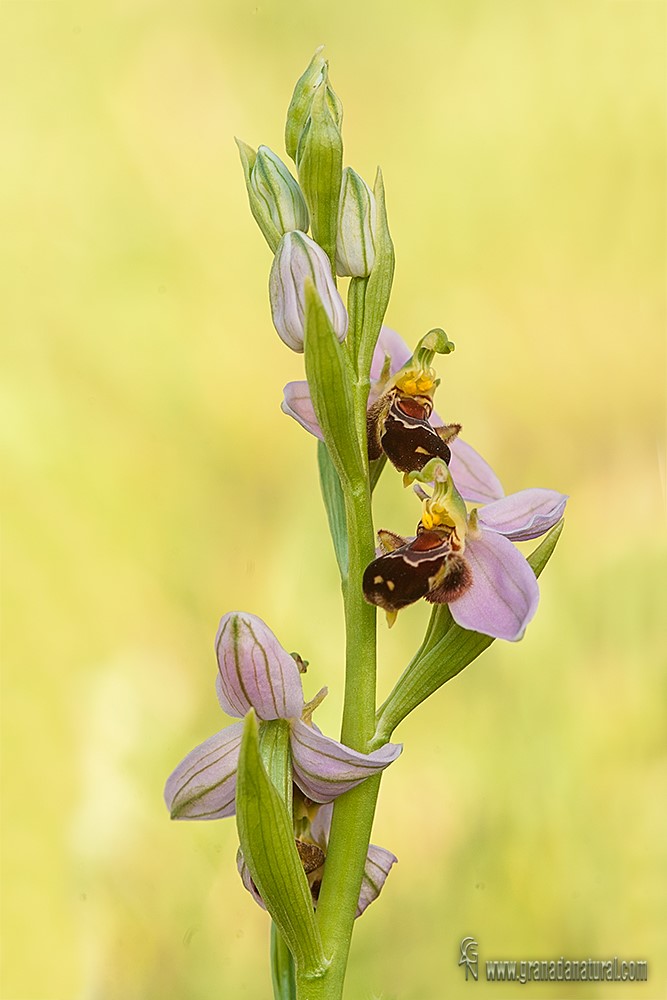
(334,503)
(267,841)
(331,391)
(320,167)
(379,284)
(540,556)
(446,650)
(257,207)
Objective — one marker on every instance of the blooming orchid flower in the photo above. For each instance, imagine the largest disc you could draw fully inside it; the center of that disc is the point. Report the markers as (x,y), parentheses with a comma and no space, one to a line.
(313,850)
(297,402)
(254,671)
(414,440)
(467,560)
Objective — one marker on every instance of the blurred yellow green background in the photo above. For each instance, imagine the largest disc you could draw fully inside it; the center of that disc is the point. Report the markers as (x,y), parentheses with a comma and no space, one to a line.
(151,482)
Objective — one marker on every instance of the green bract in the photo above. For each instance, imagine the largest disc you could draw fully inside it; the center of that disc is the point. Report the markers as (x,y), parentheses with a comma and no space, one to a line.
(329,378)
(319,161)
(378,289)
(267,841)
(334,503)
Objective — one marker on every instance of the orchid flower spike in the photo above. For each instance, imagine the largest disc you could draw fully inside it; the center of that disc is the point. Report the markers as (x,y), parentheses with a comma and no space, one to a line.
(466,559)
(254,671)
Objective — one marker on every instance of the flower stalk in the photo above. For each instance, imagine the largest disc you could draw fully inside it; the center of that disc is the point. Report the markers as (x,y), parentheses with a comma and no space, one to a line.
(354,812)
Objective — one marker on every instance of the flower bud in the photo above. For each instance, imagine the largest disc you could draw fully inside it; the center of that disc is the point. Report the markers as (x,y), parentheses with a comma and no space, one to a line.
(319,161)
(315,76)
(297,258)
(276,200)
(273,185)
(355,236)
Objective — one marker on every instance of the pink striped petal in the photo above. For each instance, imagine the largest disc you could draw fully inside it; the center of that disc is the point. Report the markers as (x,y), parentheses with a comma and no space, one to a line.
(473,477)
(324,769)
(255,670)
(525,514)
(203,786)
(378,861)
(297,403)
(504,594)
(378,865)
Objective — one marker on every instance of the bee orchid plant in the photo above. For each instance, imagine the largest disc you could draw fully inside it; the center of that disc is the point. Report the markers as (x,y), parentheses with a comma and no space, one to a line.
(304,802)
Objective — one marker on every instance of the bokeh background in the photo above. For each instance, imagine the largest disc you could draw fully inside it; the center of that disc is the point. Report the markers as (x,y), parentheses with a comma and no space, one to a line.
(151,483)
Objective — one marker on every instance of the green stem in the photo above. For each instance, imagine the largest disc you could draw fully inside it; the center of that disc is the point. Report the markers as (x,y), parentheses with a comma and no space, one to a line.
(282,967)
(356,300)
(354,811)
(360,639)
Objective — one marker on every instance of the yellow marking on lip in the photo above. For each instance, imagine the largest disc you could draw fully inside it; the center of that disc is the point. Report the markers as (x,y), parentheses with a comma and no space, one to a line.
(435,515)
(378,579)
(416,383)
(390,584)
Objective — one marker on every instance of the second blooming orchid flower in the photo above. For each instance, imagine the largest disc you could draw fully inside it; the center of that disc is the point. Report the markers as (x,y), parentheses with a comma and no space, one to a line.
(496,592)
(465,560)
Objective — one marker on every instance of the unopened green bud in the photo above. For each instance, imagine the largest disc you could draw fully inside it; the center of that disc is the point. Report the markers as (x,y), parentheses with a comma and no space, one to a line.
(276,201)
(315,77)
(355,236)
(273,184)
(320,164)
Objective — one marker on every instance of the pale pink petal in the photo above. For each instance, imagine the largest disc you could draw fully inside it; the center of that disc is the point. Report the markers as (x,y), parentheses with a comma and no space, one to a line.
(525,514)
(473,477)
(504,594)
(255,670)
(378,862)
(203,786)
(297,403)
(321,825)
(378,865)
(324,769)
(389,343)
